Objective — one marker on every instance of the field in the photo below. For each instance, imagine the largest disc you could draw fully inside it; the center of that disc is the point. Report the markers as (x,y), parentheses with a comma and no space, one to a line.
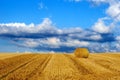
(59,67)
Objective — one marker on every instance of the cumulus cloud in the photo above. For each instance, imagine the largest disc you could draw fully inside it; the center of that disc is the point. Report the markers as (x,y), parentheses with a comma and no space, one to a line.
(22,30)
(47,37)
(15,28)
(96,37)
(30,43)
(118,38)
(100,37)
(101,27)
(107,27)
(113,10)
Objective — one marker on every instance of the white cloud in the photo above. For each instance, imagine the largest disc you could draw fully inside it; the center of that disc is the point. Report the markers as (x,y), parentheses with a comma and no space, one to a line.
(53,42)
(118,38)
(113,10)
(14,24)
(49,37)
(98,1)
(16,28)
(46,42)
(56,43)
(75,43)
(72,30)
(46,25)
(103,1)
(30,43)
(101,27)
(117,45)
(96,37)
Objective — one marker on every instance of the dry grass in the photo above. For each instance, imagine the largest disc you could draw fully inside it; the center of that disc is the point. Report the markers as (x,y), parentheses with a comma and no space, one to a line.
(10,64)
(60,67)
(7,55)
(81,52)
(29,69)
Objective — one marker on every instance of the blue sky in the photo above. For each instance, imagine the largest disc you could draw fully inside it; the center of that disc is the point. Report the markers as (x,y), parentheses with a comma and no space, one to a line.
(59,25)
(62,13)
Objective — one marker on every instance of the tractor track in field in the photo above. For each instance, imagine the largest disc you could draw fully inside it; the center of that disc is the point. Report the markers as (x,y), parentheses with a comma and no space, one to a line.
(40,68)
(107,62)
(28,69)
(82,70)
(90,67)
(5,75)
(45,63)
(61,67)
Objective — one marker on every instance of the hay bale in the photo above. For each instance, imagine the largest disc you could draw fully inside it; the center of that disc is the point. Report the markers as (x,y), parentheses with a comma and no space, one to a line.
(81,52)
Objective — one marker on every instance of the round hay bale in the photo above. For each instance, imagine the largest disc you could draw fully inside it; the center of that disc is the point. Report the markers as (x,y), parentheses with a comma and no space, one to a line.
(81,52)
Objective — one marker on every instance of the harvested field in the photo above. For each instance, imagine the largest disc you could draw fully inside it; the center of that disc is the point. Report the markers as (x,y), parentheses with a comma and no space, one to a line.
(7,55)
(60,67)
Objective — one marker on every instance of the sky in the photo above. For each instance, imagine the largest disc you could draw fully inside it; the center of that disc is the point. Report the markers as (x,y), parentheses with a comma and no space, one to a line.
(59,25)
